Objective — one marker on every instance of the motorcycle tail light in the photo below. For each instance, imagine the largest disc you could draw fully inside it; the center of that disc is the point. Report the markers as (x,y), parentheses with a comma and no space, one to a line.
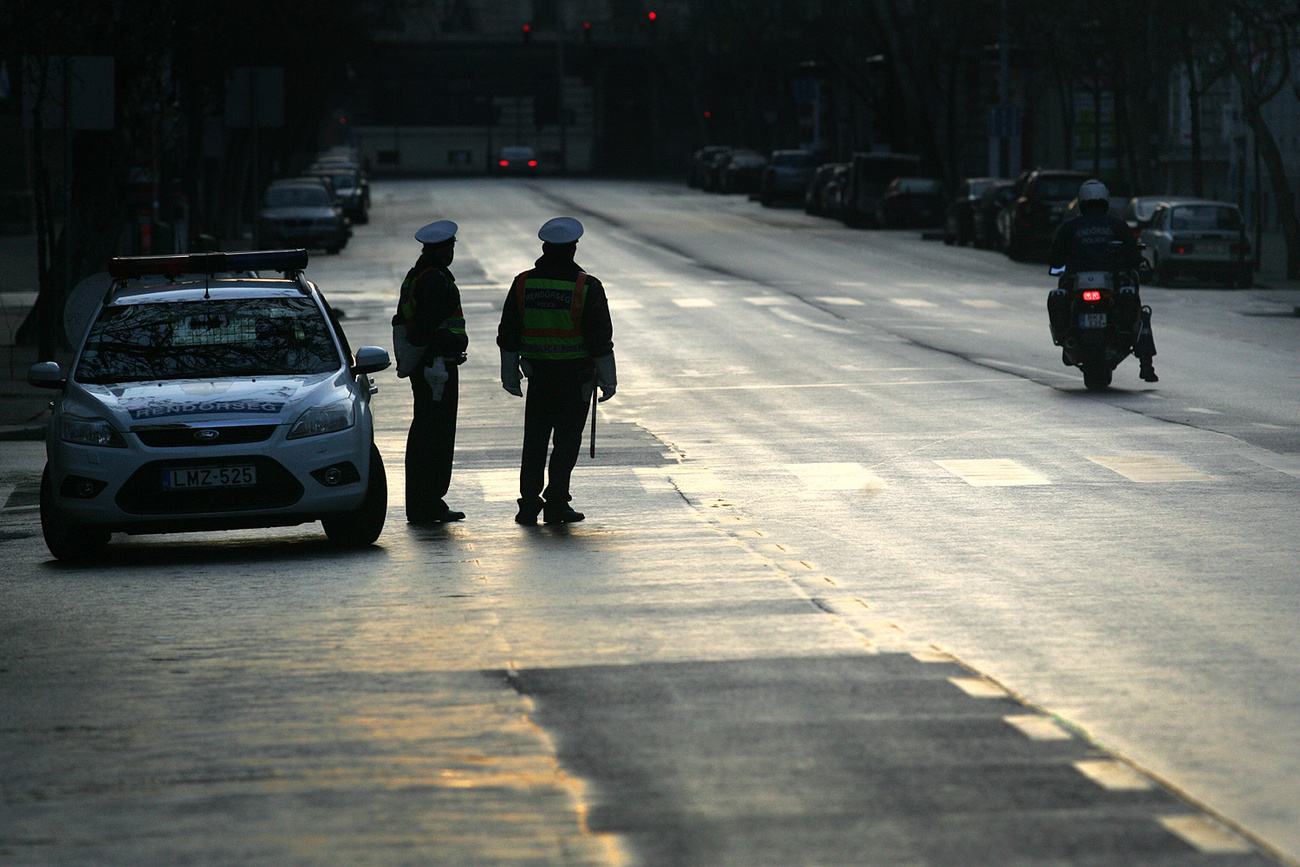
(1092,295)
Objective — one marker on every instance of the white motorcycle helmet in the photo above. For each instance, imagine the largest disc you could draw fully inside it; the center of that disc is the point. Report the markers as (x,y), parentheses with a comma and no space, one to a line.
(1094,190)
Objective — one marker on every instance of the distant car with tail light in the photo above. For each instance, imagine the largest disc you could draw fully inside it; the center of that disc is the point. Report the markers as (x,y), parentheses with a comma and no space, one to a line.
(1200,240)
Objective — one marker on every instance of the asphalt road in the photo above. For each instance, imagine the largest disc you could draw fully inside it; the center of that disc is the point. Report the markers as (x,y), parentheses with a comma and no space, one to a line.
(868,577)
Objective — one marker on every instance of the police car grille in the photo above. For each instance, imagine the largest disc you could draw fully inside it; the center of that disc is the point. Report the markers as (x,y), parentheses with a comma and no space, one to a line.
(144,494)
(175,438)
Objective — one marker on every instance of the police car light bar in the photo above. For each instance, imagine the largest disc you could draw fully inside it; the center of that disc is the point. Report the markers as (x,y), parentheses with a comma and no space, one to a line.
(129,267)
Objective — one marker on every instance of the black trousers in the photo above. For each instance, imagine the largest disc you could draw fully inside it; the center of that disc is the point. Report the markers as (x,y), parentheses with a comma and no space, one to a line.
(430,444)
(555,410)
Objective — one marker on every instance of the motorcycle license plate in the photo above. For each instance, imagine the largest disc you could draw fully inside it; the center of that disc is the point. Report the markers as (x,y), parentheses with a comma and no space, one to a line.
(191,478)
(1092,320)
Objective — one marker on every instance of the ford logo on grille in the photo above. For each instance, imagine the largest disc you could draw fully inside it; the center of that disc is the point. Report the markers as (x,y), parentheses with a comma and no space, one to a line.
(207,434)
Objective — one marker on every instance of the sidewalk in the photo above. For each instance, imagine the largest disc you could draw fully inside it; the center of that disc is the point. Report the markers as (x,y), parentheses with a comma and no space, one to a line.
(24,409)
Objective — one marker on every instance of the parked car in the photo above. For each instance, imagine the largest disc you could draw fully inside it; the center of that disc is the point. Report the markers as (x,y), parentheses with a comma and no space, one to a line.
(911,203)
(869,173)
(816,198)
(1037,209)
(713,171)
(787,175)
(698,171)
(742,172)
(1200,239)
(302,212)
(984,225)
(199,399)
(516,160)
(349,190)
(959,222)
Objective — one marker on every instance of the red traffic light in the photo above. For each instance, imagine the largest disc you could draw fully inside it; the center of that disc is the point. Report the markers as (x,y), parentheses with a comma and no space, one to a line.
(653,16)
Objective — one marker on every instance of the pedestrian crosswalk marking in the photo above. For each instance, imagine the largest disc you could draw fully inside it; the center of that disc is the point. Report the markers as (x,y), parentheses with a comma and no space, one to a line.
(1205,834)
(624,304)
(978,687)
(1113,776)
(835,476)
(499,485)
(1149,468)
(993,472)
(1037,728)
(692,302)
(982,302)
(840,300)
(767,301)
(913,302)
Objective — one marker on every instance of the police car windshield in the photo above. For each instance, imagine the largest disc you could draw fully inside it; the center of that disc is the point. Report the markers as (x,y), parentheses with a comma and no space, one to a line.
(208,339)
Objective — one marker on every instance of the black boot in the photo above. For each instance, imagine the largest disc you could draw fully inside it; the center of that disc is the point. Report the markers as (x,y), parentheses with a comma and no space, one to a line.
(1148,371)
(528,511)
(561,514)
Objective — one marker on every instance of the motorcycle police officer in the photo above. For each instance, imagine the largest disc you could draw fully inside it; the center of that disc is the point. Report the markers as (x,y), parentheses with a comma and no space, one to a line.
(434,325)
(1085,243)
(555,324)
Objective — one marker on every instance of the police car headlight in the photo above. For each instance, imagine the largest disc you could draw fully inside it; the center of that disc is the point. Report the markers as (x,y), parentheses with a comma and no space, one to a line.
(328,418)
(89,432)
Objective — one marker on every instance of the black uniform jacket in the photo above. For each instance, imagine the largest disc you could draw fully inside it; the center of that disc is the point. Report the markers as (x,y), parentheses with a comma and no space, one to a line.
(1083,244)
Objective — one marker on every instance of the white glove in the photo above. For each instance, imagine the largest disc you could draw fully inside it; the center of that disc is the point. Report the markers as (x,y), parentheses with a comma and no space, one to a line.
(510,373)
(436,375)
(606,376)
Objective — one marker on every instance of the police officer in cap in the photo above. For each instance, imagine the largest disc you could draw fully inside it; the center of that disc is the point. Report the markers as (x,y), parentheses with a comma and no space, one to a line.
(1088,243)
(430,310)
(555,325)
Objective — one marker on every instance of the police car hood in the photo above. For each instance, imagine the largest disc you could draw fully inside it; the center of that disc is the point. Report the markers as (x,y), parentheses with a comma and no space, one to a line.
(268,400)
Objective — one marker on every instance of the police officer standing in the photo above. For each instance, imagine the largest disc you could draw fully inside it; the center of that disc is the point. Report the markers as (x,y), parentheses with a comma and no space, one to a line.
(1088,243)
(430,310)
(555,325)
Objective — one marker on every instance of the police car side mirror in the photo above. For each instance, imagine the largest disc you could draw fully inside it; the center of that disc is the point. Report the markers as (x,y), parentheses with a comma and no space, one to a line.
(371,359)
(46,374)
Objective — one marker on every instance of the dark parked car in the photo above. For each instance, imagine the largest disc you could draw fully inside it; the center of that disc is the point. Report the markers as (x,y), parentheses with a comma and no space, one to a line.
(985,219)
(821,197)
(742,172)
(698,172)
(713,170)
(911,203)
(1037,209)
(959,226)
(787,175)
(869,173)
(348,188)
(302,212)
(516,160)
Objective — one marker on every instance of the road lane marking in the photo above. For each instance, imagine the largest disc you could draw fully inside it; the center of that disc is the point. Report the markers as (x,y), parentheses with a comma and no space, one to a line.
(986,303)
(1037,728)
(1113,776)
(624,304)
(767,301)
(692,302)
(6,491)
(913,302)
(1203,411)
(841,300)
(1289,464)
(856,284)
(993,472)
(808,323)
(835,477)
(1151,468)
(978,687)
(1206,835)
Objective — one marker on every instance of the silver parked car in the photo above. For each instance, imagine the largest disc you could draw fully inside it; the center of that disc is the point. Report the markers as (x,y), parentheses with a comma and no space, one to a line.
(1198,239)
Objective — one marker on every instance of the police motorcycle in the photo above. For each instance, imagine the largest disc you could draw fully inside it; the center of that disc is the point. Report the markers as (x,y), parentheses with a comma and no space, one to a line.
(1099,320)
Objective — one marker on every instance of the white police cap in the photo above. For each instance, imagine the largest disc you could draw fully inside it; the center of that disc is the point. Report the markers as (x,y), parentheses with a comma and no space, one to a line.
(561,230)
(436,233)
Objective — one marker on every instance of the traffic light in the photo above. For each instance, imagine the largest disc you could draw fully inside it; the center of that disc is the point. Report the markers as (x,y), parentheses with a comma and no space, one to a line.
(653,16)
(586,32)
(527,33)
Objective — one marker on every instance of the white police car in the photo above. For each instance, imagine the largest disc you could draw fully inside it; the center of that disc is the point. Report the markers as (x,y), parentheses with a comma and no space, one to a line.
(205,397)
